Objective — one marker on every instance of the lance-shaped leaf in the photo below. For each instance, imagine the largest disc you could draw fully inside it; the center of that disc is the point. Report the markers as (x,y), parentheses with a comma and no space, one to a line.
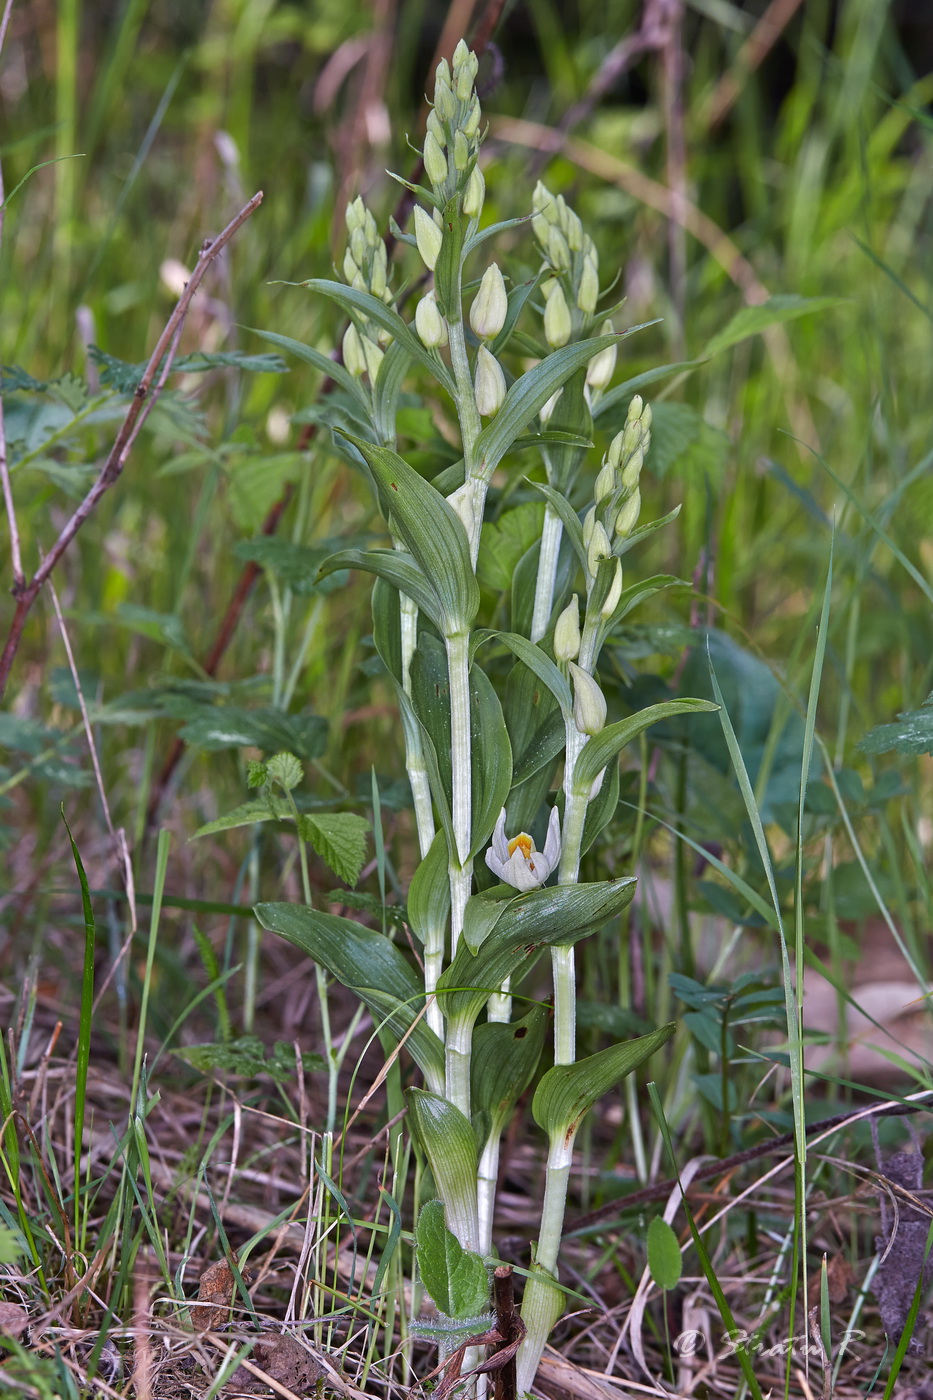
(529,394)
(429,893)
(398,568)
(536,659)
(456,1278)
(608,744)
(505,1057)
(371,966)
(562,914)
(387,627)
(601,810)
(571,413)
(365,304)
(431,530)
(543,748)
(483,911)
(387,388)
(446,1138)
(332,368)
(567,1092)
(568,517)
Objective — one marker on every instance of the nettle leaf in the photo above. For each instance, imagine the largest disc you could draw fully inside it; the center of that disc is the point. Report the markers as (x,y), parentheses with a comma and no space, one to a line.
(504,541)
(257,481)
(246,1057)
(371,966)
(456,1278)
(542,918)
(339,838)
(269,729)
(608,744)
(910,733)
(364,304)
(431,530)
(267,808)
(567,1092)
(446,1138)
(752,320)
(295,564)
(125,378)
(664,1258)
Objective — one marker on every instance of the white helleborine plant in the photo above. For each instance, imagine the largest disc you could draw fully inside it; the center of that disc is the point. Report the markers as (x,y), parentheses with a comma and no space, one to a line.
(517,862)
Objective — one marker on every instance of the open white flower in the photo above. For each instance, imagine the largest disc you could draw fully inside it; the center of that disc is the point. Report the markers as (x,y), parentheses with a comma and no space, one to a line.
(517,862)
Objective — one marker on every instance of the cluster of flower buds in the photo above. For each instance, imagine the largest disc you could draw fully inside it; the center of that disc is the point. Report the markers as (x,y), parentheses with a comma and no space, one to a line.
(617,493)
(571,291)
(453,137)
(365,267)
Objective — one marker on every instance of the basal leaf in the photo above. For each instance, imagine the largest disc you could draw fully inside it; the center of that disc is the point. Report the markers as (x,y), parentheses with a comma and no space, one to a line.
(664,1257)
(447,1140)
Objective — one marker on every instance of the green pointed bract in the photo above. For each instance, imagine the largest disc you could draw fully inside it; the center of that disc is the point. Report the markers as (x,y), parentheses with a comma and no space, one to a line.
(483,911)
(431,531)
(567,1092)
(429,892)
(535,659)
(543,918)
(371,966)
(505,1058)
(446,1138)
(610,742)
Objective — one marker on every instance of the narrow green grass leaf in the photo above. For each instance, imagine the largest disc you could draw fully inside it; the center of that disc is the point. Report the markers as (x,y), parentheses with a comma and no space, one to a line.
(752,320)
(83,1052)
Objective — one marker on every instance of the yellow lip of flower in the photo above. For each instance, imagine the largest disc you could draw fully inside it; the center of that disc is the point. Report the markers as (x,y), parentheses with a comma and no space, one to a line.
(523,842)
(517,861)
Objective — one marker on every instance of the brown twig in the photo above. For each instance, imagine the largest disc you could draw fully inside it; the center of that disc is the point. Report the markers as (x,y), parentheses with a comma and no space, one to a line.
(749,57)
(144,399)
(508,1324)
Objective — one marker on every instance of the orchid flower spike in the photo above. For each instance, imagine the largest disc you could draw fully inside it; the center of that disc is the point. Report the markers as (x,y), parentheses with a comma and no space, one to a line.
(517,862)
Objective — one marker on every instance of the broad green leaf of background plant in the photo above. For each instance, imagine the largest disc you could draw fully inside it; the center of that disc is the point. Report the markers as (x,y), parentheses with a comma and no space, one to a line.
(752,320)
(447,1140)
(610,742)
(370,965)
(431,530)
(246,1056)
(910,733)
(269,729)
(567,1092)
(339,838)
(561,914)
(456,1278)
(664,1258)
(504,541)
(266,808)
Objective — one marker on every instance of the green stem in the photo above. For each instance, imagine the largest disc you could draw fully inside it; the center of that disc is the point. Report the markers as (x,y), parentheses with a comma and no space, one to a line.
(551,534)
(461,867)
(458,1053)
(543,1302)
(333,1063)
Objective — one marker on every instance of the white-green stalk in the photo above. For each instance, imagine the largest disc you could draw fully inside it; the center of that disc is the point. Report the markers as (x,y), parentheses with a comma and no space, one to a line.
(458,1052)
(551,536)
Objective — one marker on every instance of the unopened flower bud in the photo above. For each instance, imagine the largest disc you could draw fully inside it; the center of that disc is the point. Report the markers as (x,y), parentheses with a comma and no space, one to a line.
(589,525)
(461,54)
(435,162)
(635,409)
(615,593)
(605,484)
(573,230)
(542,200)
(470,126)
(632,470)
(353,356)
(464,84)
(356,214)
(546,409)
(377,279)
(445,104)
(490,305)
(558,253)
(598,548)
(589,703)
(461,152)
(359,246)
(614,455)
(350,269)
(474,194)
(602,366)
(588,290)
(489,384)
(428,237)
(373,356)
(429,323)
(557,323)
(627,518)
(436,128)
(567,632)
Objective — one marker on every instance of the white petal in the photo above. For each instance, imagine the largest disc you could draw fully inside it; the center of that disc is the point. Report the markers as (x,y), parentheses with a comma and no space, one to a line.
(496,865)
(519,874)
(499,843)
(552,843)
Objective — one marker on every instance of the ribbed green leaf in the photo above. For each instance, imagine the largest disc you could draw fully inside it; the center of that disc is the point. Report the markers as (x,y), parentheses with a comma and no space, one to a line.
(568,516)
(388,386)
(447,1140)
(398,568)
(483,911)
(529,394)
(387,631)
(505,1057)
(429,892)
(367,963)
(562,914)
(535,659)
(542,748)
(602,809)
(364,304)
(613,739)
(571,414)
(567,1092)
(336,371)
(431,530)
